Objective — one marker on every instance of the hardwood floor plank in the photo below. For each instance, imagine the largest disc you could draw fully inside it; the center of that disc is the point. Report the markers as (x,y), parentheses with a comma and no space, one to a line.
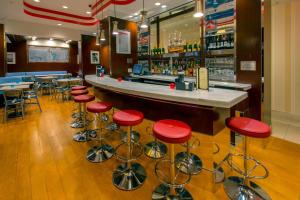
(39,160)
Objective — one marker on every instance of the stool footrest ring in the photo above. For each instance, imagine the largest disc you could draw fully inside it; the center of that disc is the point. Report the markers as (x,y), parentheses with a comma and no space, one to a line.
(137,147)
(162,180)
(250,171)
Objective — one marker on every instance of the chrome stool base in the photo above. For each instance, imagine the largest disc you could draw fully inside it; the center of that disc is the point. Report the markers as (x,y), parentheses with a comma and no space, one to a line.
(163,192)
(84,136)
(219,173)
(155,150)
(77,124)
(188,163)
(236,190)
(135,137)
(99,154)
(129,178)
(112,127)
(77,115)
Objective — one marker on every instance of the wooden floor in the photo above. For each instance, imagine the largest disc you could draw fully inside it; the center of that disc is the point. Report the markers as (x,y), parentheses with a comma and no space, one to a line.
(39,160)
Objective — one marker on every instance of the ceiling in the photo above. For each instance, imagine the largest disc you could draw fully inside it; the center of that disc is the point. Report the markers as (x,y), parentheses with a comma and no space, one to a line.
(13,10)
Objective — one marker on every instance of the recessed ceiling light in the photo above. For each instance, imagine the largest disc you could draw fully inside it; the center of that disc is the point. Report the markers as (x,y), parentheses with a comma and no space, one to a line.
(59,24)
(94,33)
(36,1)
(135,14)
(33,38)
(65,7)
(163,6)
(157,4)
(88,12)
(51,39)
(130,16)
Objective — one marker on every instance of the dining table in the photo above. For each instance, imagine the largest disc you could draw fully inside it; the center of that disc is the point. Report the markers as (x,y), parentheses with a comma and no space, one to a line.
(16,83)
(14,87)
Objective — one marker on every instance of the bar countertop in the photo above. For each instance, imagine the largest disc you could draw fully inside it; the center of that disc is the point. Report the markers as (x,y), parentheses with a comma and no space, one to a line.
(240,86)
(215,97)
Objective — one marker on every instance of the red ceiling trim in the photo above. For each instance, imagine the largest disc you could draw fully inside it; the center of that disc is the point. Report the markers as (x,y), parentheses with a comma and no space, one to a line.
(117,2)
(96,10)
(55,12)
(60,19)
(58,15)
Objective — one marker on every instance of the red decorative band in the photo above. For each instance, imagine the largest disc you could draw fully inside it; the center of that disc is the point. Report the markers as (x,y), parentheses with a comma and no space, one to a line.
(58,16)
(105,3)
(61,19)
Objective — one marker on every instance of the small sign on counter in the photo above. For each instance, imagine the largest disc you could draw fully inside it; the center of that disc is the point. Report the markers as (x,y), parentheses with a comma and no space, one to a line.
(248,65)
(202,78)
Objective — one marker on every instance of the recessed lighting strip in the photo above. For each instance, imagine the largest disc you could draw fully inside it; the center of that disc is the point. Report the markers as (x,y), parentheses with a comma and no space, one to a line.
(58,15)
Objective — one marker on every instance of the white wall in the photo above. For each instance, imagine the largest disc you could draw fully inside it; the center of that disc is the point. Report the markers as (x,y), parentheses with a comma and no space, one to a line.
(286,59)
(41,30)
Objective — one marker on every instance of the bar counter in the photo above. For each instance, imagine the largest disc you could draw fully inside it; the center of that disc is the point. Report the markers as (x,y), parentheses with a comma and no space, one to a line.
(204,110)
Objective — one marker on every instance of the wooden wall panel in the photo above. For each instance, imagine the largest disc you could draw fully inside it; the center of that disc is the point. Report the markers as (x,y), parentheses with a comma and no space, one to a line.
(88,45)
(248,17)
(2,51)
(119,66)
(22,64)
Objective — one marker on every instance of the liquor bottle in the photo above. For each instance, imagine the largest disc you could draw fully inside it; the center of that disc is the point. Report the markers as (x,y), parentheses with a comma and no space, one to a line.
(195,46)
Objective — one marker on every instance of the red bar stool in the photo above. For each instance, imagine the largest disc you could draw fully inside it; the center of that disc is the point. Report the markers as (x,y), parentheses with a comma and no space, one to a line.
(171,132)
(78,123)
(103,151)
(129,175)
(241,187)
(78,87)
(84,135)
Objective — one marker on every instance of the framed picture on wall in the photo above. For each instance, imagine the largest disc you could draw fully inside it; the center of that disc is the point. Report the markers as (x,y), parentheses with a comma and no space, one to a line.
(95,57)
(11,58)
(123,43)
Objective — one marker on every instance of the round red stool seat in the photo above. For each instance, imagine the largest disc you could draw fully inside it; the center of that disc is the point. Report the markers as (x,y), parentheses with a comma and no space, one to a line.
(79,87)
(99,107)
(248,127)
(128,117)
(84,98)
(172,131)
(79,92)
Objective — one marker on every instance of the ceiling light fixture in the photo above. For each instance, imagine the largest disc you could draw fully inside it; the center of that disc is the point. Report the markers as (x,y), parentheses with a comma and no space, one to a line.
(198,9)
(157,4)
(59,24)
(144,23)
(37,1)
(65,7)
(130,16)
(88,12)
(163,6)
(115,30)
(136,14)
(51,39)
(102,32)
(34,38)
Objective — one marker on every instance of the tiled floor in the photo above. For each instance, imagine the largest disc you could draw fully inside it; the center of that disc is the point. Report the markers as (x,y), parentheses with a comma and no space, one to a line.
(285,131)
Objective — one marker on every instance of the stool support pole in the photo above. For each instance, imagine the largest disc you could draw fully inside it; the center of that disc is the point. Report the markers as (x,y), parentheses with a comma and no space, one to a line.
(84,117)
(130,146)
(79,110)
(246,154)
(172,168)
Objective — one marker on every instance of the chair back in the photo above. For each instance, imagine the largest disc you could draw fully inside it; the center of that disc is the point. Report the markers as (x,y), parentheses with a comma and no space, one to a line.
(12,94)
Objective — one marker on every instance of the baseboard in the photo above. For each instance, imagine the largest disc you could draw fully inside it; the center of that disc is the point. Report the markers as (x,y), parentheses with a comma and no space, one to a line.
(286,118)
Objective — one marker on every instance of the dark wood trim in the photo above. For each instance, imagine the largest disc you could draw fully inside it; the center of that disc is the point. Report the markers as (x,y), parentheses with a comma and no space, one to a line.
(248,48)
(3,66)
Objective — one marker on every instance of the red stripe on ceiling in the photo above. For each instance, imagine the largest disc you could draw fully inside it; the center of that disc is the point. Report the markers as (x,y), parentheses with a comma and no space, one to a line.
(94,13)
(56,12)
(117,2)
(61,19)
(102,7)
